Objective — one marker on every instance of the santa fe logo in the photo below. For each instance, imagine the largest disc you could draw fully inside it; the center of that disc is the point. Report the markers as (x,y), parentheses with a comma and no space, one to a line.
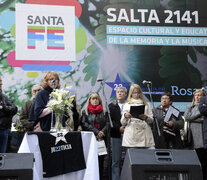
(45,32)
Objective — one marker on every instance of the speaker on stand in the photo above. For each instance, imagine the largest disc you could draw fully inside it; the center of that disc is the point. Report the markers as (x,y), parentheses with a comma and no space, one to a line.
(16,166)
(157,164)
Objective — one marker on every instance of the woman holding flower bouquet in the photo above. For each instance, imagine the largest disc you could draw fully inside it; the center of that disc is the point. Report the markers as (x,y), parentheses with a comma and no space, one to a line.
(94,119)
(39,113)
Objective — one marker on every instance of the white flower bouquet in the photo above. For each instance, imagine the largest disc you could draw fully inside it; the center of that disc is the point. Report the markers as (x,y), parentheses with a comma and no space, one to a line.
(61,103)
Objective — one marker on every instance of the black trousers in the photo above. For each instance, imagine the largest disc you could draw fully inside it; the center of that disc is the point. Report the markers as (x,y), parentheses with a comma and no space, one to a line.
(202,156)
(101,166)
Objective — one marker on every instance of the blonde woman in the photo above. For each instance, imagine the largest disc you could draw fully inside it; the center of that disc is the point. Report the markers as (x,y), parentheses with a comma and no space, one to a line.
(94,119)
(193,115)
(137,131)
(195,118)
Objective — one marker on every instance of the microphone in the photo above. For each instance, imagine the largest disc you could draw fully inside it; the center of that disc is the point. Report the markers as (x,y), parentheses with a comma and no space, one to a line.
(146,82)
(54,83)
(100,80)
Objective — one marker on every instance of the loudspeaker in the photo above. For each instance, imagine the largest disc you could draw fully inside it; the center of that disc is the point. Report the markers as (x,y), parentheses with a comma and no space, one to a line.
(161,164)
(16,166)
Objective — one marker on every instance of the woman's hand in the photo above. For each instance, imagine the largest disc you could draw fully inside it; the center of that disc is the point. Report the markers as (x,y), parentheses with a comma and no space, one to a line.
(127,115)
(121,129)
(143,117)
(100,135)
(38,128)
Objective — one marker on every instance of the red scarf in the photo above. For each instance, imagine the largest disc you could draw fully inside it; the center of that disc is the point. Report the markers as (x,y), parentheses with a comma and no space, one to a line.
(95,109)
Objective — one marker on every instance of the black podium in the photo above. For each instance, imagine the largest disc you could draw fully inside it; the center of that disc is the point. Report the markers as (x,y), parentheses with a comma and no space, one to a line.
(154,164)
(16,166)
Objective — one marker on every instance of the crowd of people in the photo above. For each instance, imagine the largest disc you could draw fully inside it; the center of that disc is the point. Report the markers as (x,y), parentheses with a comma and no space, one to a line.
(149,130)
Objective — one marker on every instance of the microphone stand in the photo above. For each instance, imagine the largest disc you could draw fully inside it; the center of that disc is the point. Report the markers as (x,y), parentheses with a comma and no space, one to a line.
(153,110)
(53,122)
(1,100)
(109,125)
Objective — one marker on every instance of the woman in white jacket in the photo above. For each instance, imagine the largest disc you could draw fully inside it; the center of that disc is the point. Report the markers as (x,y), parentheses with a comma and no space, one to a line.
(137,131)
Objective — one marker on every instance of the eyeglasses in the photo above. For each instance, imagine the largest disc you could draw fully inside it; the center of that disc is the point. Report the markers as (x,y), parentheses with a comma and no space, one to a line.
(94,98)
(36,90)
(197,95)
(165,98)
(136,93)
(52,79)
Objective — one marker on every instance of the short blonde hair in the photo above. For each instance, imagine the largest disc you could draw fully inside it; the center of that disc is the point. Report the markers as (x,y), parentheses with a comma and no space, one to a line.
(132,87)
(93,95)
(47,77)
(200,91)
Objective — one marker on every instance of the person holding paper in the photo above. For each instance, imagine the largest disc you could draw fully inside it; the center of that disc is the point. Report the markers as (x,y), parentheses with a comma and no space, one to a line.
(94,119)
(137,131)
(170,122)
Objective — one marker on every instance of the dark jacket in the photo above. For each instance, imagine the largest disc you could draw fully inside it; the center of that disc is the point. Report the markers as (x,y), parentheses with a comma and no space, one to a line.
(203,110)
(115,113)
(76,118)
(7,112)
(87,122)
(162,142)
(39,104)
(24,115)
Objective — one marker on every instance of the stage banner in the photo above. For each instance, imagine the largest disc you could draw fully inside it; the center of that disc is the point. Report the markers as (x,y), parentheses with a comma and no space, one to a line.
(122,42)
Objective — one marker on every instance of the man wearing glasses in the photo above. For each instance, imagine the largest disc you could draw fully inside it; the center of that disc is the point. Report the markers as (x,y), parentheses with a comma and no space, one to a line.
(170,131)
(24,115)
(7,110)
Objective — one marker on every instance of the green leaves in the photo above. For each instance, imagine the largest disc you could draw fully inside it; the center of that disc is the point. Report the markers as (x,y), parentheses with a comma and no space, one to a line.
(6,45)
(6,67)
(192,54)
(7,4)
(91,71)
(176,68)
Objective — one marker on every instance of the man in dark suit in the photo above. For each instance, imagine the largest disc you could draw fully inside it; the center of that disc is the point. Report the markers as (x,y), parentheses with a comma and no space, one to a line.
(7,110)
(116,109)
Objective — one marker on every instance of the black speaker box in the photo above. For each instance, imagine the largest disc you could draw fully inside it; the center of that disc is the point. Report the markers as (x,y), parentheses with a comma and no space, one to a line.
(16,166)
(162,164)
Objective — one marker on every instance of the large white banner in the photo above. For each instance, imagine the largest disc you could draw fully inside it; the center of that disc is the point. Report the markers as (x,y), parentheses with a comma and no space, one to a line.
(45,32)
